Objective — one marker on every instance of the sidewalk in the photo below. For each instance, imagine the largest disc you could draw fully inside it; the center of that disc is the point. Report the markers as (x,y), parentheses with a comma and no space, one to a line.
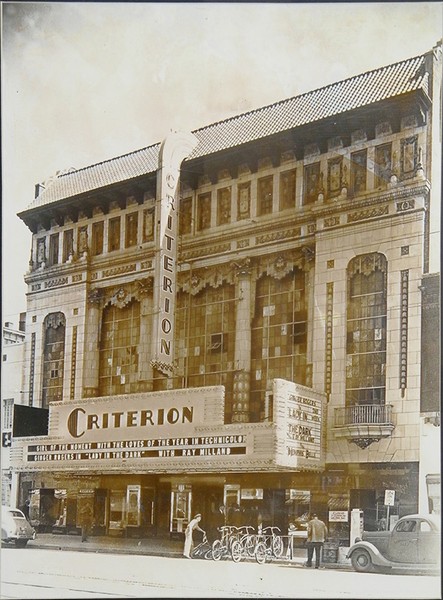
(153,546)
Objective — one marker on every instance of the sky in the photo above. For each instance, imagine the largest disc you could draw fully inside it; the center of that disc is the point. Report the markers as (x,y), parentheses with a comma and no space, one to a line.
(83,81)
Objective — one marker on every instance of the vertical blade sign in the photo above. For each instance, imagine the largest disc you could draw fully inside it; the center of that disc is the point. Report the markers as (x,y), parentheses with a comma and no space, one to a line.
(174,149)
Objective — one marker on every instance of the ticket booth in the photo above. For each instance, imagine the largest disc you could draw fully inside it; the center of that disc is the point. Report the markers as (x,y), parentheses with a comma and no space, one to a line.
(181,501)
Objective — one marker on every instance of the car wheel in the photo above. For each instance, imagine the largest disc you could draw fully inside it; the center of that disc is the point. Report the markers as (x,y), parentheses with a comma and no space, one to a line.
(361,561)
(21,543)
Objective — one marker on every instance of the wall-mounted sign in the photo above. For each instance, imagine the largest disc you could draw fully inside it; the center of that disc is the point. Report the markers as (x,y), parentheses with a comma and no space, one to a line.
(298,414)
(251,494)
(338,516)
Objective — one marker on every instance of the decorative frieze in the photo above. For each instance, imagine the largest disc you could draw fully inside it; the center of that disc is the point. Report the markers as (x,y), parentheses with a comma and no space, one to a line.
(121,270)
(332,221)
(369,213)
(278,235)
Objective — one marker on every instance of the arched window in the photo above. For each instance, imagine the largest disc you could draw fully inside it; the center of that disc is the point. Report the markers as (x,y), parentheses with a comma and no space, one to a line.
(54,327)
(366,330)
(119,349)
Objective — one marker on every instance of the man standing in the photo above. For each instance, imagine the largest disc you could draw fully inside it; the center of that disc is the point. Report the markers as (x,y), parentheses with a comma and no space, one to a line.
(317,532)
(194,524)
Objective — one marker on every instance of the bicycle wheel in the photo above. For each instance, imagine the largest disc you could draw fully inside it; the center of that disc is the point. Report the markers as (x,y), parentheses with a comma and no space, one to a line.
(217,549)
(261,553)
(236,551)
(209,555)
(277,546)
(250,546)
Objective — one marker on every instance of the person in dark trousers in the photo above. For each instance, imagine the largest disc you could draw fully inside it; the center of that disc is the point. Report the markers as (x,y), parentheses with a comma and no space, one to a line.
(317,533)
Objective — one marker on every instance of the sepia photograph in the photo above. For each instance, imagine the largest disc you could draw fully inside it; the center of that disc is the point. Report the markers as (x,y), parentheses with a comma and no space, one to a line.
(221,300)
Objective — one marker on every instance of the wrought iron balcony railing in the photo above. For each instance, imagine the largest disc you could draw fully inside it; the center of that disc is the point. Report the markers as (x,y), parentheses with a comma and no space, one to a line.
(364,414)
(363,424)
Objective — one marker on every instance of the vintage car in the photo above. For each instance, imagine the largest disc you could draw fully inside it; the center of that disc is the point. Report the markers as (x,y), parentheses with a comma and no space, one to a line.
(15,527)
(413,544)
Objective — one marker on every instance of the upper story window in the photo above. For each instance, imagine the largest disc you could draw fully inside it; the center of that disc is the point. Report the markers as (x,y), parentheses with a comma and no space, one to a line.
(185,216)
(68,244)
(204,211)
(244,201)
(383,165)
(224,206)
(311,182)
(53,249)
(265,195)
(53,358)
(287,189)
(358,171)
(114,234)
(409,157)
(366,330)
(97,238)
(131,229)
(148,225)
(334,176)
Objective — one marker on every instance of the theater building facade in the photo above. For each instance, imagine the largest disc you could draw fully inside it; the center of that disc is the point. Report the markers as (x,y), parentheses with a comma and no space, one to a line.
(230,322)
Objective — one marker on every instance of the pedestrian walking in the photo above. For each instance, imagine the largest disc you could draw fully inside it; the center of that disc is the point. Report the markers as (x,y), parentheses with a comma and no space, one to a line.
(317,532)
(189,542)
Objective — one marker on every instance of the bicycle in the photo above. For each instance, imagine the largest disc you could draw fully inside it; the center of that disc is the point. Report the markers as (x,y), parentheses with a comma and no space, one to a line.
(222,547)
(242,546)
(268,544)
(203,549)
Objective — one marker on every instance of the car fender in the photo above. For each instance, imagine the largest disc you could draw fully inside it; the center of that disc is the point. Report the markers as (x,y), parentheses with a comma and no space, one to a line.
(377,558)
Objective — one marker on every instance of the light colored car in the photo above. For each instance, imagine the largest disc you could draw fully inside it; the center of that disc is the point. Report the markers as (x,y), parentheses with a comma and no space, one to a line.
(15,527)
(412,545)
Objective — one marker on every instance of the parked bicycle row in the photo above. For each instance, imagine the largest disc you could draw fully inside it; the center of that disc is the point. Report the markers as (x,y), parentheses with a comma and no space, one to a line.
(238,543)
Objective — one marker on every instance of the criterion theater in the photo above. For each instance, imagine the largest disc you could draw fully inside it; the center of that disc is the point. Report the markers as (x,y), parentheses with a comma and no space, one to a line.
(233,321)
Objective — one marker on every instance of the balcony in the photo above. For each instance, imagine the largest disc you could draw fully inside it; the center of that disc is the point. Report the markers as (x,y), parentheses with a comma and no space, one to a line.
(364,424)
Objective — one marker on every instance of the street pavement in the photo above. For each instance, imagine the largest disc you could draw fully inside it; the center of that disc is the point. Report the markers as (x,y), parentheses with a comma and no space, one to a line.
(152,546)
